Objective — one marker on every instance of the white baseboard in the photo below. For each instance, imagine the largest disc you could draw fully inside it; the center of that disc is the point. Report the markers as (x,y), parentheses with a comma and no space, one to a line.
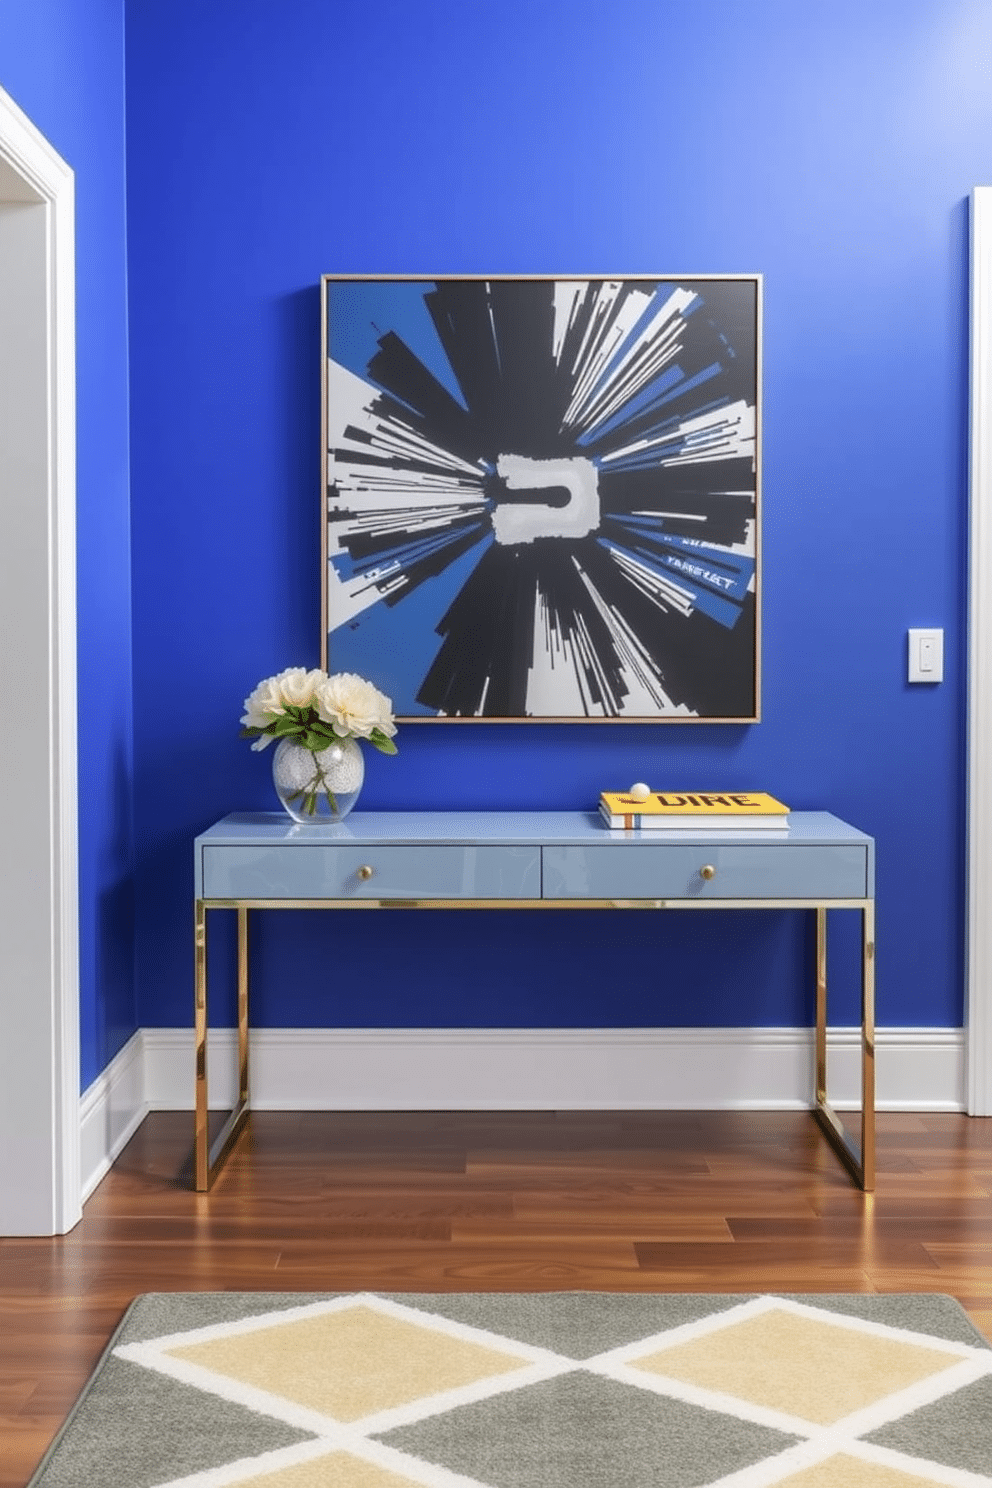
(528,1069)
(110,1112)
(517,1069)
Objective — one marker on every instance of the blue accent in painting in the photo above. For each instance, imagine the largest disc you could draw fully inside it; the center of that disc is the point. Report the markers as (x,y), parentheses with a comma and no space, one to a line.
(640,325)
(692,575)
(645,400)
(726,573)
(360,311)
(401,556)
(719,609)
(398,648)
(710,600)
(649,457)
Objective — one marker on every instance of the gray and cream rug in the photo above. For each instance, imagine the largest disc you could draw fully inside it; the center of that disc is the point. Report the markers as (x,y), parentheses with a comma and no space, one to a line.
(543,1390)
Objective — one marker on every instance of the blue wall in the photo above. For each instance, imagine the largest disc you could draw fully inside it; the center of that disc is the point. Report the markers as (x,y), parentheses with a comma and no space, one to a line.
(62,61)
(831,148)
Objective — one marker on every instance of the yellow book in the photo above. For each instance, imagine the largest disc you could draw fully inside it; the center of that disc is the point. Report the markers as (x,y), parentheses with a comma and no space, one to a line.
(744,810)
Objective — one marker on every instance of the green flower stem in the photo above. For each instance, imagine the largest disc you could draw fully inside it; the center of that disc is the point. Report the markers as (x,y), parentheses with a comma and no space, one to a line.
(308,794)
(332,799)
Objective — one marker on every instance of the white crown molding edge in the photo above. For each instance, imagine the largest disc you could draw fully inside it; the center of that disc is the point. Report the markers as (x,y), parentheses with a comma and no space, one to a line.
(390,1069)
(33,170)
(979,932)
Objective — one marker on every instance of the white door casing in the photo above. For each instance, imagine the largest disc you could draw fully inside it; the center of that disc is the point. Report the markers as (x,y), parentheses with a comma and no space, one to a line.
(979,949)
(39,958)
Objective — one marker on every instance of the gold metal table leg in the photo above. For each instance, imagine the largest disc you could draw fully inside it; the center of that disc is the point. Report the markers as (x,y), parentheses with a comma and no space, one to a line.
(200,1128)
(242,1006)
(860,1163)
(209,1158)
(821,1005)
(868,1047)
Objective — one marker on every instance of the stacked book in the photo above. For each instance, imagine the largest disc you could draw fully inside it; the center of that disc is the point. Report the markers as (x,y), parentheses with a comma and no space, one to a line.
(709,811)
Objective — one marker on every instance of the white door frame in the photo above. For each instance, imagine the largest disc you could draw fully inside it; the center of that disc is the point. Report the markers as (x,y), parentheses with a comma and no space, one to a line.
(39,955)
(979,990)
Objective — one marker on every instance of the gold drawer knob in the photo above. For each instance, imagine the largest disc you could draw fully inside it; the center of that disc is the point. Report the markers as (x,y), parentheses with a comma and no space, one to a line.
(707,871)
(365,871)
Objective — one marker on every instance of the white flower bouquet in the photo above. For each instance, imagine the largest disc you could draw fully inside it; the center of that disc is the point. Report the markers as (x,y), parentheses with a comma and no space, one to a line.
(317,712)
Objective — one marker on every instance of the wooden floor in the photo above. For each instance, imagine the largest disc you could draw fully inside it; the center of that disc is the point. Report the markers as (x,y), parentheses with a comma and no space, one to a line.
(635,1201)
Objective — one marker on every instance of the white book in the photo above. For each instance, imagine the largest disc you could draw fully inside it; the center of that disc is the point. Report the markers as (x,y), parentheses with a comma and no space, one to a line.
(685,825)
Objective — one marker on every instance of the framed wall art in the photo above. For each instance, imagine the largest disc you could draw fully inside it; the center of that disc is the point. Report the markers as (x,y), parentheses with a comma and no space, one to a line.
(541,495)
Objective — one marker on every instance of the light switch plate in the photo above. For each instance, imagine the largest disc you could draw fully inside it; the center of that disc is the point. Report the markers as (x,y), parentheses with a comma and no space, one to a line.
(926,656)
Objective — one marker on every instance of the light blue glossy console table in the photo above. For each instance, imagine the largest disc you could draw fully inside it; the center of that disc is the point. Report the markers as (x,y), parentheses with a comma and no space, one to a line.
(533,860)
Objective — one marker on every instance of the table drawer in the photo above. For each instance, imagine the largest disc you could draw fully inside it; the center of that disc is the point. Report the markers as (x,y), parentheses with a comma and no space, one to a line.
(671,870)
(332,871)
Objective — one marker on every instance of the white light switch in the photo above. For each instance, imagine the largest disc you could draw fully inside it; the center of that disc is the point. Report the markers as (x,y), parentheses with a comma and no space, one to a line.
(926,656)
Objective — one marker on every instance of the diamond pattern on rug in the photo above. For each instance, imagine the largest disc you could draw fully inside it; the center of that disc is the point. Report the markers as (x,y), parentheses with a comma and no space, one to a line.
(577,1324)
(955,1431)
(567,1390)
(349,1364)
(842,1471)
(919,1312)
(818,1371)
(179,1312)
(580,1428)
(337,1470)
(140,1429)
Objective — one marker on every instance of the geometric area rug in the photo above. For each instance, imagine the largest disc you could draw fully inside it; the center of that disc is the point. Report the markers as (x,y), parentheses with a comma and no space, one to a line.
(533,1390)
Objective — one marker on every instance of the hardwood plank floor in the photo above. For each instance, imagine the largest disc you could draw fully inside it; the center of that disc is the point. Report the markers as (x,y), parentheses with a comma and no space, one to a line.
(509,1201)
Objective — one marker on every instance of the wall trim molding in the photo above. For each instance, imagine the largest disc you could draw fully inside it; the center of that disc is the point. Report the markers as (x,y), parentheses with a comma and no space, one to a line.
(459,1069)
(40,1180)
(979,929)
(111,1110)
(465,1069)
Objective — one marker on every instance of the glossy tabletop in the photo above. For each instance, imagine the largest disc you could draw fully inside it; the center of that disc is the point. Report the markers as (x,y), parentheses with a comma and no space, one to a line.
(526,856)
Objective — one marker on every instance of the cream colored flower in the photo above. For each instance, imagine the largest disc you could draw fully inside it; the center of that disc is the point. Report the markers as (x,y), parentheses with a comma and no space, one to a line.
(264,704)
(353,706)
(298,686)
(295,686)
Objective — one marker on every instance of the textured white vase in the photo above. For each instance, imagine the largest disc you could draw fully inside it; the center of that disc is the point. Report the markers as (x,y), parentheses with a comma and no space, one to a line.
(318,787)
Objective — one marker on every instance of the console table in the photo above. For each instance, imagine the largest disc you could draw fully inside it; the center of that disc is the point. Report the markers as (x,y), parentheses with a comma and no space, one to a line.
(533,860)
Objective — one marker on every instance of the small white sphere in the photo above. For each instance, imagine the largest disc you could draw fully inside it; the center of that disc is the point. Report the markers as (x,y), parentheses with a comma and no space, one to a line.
(640,791)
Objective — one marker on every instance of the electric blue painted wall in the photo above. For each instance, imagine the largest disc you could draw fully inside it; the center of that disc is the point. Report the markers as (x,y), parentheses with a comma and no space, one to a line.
(62,61)
(832,148)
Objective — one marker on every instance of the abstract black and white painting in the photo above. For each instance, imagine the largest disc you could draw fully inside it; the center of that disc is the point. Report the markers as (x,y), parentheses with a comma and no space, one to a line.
(541,495)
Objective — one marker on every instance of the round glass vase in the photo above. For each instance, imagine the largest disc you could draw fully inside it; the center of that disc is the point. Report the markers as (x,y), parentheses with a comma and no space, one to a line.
(318,787)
